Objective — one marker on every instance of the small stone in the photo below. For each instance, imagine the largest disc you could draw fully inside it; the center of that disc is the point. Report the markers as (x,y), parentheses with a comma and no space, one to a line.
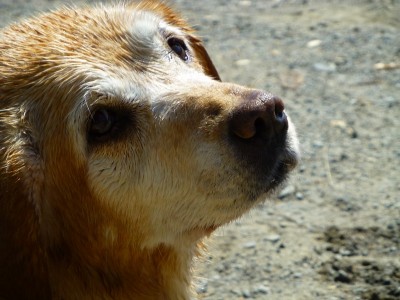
(352,133)
(285,274)
(297,275)
(318,144)
(314,43)
(246,293)
(299,196)
(220,268)
(339,124)
(283,225)
(202,287)
(235,291)
(325,67)
(397,291)
(216,277)
(275,52)
(272,238)
(242,62)
(318,250)
(287,191)
(245,3)
(250,245)
(386,66)
(262,289)
(342,276)
(345,252)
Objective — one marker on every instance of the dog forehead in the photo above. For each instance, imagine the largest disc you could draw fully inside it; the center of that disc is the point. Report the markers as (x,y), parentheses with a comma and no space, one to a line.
(146,24)
(146,73)
(164,11)
(117,50)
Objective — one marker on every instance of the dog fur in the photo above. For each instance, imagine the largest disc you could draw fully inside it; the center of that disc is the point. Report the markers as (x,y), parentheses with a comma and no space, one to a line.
(117,156)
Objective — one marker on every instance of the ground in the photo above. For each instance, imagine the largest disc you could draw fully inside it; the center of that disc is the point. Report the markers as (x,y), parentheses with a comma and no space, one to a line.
(334,230)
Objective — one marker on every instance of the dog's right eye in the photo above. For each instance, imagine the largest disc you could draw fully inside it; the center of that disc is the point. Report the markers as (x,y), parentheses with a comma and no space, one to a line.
(108,124)
(179,47)
(102,121)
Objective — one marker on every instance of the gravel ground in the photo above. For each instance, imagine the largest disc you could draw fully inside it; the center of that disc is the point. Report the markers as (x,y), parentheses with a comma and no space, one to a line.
(334,231)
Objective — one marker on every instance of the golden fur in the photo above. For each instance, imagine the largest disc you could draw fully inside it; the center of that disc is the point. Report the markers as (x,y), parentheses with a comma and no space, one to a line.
(89,212)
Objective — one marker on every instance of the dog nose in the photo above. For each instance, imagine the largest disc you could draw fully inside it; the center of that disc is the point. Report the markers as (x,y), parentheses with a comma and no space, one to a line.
(260,116)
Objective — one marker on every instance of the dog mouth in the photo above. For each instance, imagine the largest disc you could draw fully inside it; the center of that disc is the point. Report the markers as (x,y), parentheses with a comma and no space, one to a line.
(260,138)
(281,171)
(266,166)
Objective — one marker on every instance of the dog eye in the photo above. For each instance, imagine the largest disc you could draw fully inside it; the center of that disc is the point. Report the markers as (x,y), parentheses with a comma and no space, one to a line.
(179,47)
(107,124)
(110,124)
(102,124)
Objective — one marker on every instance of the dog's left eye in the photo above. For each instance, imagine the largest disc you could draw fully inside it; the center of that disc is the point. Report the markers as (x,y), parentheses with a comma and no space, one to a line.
(179,47)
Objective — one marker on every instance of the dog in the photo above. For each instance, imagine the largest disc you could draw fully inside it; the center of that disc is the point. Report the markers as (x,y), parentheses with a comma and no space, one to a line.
(121,150)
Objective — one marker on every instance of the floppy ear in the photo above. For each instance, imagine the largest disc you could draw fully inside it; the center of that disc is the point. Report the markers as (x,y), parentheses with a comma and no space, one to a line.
(204,58)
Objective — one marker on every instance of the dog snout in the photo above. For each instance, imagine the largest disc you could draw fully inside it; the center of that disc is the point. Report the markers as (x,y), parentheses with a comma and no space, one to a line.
(259,117)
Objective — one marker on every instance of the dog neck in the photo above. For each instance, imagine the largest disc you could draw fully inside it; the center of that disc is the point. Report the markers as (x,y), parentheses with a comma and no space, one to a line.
(49,272)
(159,273)
(108,261)
(67,260)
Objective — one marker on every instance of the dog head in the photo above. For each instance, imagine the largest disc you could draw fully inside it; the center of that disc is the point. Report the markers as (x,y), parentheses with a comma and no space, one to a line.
(114,121)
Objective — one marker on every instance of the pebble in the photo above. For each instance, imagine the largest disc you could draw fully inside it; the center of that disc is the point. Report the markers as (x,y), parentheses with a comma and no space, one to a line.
(250,245)
(345,252)
(262,289)
(202,287)
(287,191)
(275,52)
(220,268)
(242,62)
(314,43)
(299,196)
(297,275)
(246,293)
(386,66)
(272,238)
(339,123)
(342,276)
(235,291)
(245,3)
(318,144)
(286,274)
(325,67)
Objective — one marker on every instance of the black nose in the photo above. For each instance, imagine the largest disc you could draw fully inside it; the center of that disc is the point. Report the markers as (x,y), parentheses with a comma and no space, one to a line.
(259,118)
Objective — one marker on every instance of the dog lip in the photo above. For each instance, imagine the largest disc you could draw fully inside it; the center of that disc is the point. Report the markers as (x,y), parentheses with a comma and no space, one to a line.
(291,160)
(285,163)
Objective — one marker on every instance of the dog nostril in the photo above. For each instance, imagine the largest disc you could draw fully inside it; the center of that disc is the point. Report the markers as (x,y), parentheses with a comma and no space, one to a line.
(245,128)
(279,108)
(259,126)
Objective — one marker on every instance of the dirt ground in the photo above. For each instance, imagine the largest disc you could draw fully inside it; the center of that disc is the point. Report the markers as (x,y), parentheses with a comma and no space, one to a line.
(333,232)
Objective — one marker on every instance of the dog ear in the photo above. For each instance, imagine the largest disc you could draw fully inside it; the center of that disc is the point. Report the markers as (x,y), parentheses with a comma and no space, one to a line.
(204,58)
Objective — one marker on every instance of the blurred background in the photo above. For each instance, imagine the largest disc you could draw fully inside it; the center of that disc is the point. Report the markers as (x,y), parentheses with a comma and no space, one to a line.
(333,232)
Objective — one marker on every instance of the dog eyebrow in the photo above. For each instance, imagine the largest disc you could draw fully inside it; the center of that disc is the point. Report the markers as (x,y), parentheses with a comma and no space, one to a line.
(168,30)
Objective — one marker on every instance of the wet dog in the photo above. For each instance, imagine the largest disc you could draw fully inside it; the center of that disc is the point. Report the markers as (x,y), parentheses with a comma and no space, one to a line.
(121,149)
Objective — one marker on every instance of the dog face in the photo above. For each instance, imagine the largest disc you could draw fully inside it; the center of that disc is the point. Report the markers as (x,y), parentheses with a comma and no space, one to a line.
(116,120)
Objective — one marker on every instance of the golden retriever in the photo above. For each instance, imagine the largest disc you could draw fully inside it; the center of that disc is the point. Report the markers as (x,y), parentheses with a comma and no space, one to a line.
(121,149)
